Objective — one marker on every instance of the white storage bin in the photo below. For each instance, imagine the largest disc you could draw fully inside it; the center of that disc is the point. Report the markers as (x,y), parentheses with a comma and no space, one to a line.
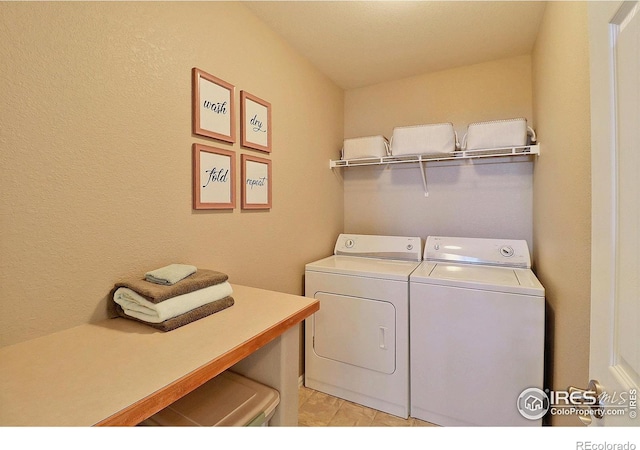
(497,134)
(227,400)
(365,147)
(424,139)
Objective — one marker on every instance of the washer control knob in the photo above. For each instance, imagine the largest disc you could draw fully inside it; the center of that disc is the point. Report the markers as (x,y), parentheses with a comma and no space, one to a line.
(410,247)
(349,243)
(506,251)
(436,247)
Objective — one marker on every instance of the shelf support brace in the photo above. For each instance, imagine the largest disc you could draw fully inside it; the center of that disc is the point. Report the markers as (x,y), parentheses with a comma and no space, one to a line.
(424,177)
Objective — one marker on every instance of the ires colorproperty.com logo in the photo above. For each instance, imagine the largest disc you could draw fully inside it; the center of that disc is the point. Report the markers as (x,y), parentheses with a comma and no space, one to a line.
(534,403)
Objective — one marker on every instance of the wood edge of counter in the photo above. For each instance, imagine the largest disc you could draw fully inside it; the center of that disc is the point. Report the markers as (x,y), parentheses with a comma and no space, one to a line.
(148,406)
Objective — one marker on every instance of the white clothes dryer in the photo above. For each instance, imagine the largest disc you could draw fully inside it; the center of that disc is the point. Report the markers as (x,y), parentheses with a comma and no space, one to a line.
(477,332)
(357,344)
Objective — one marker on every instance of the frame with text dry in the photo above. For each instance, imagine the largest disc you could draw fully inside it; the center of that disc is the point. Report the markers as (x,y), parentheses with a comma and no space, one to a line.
(255,122)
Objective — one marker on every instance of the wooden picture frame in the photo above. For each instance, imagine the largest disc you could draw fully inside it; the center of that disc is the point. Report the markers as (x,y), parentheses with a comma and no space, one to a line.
(255,122)
(214,178)
(213,106)
(256,182)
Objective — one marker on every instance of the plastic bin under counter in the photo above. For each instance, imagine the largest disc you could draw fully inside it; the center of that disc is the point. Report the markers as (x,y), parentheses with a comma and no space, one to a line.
(121,372)
(226,401)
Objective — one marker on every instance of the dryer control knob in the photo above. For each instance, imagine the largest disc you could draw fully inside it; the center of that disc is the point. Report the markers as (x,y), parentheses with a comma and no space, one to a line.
(507,251)
(349,243)
(436,247)
(410,247)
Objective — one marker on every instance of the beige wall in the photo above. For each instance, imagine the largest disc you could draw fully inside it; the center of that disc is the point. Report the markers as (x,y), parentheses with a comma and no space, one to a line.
(487,91)
(562,199)
(95,141)
(489,198)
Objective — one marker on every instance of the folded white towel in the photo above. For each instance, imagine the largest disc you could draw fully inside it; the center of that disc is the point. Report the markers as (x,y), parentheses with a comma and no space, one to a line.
(137,306)
(170,274)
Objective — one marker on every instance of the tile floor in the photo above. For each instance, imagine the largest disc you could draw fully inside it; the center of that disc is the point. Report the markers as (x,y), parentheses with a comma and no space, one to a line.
(317,409)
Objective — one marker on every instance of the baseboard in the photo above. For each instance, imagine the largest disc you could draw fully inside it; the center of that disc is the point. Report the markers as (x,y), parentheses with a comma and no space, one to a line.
(301,380)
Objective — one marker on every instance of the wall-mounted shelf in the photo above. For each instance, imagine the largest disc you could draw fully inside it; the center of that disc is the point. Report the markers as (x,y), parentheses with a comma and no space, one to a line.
(457,155)
(453,156)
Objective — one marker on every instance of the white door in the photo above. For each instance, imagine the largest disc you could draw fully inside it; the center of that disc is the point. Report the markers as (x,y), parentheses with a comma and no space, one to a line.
(615,266)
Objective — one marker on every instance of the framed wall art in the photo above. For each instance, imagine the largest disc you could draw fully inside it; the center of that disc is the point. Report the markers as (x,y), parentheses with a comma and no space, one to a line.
(213,107)
(256,182)
(255,122)
(214,175)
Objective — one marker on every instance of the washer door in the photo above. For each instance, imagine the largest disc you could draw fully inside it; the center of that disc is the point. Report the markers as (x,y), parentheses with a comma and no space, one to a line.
(356,331)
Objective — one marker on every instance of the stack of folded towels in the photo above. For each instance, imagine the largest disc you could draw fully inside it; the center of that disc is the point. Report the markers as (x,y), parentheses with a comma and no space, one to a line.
(172,296)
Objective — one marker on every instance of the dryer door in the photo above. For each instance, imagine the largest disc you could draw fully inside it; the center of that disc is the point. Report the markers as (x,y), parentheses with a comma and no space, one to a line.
(356,331)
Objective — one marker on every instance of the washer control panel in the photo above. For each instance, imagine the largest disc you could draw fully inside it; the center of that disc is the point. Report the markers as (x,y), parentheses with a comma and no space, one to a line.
(507,251)
(496,252)
(374,246)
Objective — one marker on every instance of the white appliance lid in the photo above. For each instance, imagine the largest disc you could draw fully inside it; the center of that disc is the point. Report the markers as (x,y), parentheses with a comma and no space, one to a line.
(482,277)
(380,247)
(364,267)
(495,252)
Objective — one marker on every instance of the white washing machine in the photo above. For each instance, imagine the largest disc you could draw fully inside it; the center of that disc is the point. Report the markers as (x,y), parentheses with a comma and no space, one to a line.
(357,344)
(477,332)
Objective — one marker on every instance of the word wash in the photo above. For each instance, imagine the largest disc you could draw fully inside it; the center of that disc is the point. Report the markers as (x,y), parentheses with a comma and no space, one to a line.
(218,108)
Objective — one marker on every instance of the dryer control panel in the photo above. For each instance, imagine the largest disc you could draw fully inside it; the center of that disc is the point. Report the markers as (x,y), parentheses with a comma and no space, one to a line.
(495,252)
(384,247)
